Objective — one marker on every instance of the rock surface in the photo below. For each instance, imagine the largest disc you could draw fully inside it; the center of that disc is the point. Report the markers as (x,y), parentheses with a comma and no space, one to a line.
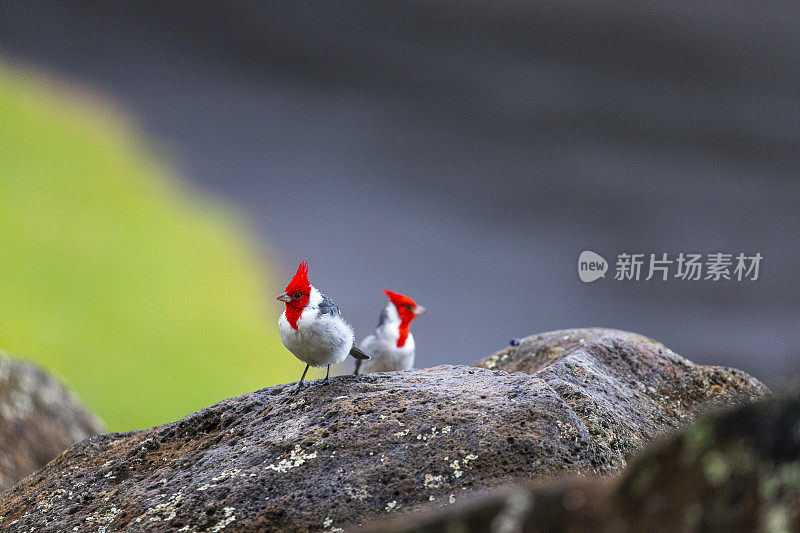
(732,471)
(375,445)
(624,387)
(39,419)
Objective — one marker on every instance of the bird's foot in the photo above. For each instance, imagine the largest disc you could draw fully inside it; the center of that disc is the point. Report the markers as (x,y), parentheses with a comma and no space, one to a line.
(297,389)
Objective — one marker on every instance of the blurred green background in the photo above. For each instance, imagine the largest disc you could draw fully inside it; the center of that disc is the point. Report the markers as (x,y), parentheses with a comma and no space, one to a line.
(147,298)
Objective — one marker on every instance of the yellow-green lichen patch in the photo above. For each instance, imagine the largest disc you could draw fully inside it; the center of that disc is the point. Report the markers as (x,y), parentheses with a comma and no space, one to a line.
(297,457)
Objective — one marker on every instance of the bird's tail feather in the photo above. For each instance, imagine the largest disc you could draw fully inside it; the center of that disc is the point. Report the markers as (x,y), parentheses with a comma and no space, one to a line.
(358,354)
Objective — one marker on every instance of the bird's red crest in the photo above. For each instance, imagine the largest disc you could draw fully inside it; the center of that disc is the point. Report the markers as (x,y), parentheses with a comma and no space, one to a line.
(300,282)
(405,309)
(298,286)
(399,300)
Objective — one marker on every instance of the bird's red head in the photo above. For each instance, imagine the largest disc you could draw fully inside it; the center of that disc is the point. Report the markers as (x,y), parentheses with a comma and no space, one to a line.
(407,310)
(405,306)
(297,294)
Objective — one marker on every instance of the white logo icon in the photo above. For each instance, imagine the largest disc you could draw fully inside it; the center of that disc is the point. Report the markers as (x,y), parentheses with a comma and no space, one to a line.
(591,266)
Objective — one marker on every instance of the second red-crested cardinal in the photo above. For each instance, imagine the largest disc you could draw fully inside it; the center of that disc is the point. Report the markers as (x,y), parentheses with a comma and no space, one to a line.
(392,344)
(312,327)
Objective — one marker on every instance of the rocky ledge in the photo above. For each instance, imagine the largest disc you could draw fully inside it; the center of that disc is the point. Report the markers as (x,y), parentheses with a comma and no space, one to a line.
(360,448)
(39,419)
(737,470)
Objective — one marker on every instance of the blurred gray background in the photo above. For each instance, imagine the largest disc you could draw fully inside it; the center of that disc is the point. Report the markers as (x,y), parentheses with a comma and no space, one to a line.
(465,153)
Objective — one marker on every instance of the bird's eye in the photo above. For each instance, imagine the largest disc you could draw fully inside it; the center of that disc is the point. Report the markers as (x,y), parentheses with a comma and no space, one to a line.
(297,295)
(409,307)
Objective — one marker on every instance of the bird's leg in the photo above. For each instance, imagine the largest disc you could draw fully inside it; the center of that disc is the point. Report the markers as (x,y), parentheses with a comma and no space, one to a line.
(300,385)
(358,367)
(328,374)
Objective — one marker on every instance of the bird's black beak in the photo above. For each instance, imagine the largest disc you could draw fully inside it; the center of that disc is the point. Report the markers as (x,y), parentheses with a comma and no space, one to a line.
(285,298)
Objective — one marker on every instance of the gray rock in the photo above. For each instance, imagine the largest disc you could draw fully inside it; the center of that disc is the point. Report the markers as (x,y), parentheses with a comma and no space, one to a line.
(338,455)
(39,419)
(733,471)
(624,387)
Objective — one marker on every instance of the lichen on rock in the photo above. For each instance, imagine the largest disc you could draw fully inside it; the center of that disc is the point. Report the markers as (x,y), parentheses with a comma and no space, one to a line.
(382,444)
(735,470)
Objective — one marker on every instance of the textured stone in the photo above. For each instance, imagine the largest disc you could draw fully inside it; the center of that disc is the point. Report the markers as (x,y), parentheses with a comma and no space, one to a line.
(733,471)
(337,455)
(39,419)
(624,387)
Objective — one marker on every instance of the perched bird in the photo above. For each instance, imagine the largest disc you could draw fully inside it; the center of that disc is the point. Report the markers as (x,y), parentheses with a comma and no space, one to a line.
(392,344)
(312,328)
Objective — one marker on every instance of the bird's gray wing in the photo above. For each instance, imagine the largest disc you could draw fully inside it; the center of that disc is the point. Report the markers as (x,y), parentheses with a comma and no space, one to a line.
(328,307)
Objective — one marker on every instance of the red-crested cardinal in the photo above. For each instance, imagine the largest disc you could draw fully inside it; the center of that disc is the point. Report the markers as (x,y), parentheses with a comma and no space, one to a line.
(312,327)
(392,344)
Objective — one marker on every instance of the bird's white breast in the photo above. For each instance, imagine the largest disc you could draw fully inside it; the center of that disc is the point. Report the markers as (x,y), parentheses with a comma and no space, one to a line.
(320,339)
(386,355)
